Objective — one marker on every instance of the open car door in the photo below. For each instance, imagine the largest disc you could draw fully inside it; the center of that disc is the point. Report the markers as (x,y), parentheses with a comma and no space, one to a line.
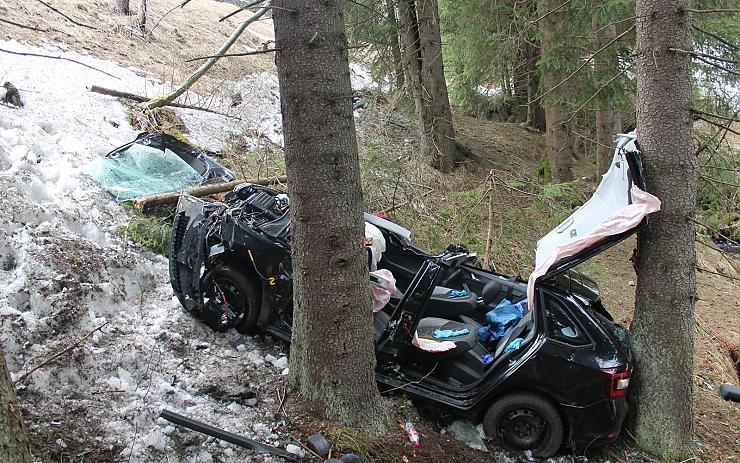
(614,212)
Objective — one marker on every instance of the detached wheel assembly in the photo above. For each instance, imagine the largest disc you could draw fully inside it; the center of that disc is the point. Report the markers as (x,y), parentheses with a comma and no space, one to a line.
(525,421)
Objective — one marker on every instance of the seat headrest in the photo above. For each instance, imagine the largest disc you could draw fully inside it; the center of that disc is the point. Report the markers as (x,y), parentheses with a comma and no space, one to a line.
(490,291)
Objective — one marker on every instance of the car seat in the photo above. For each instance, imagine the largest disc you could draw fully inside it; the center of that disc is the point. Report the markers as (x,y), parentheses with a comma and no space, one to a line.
(443,305)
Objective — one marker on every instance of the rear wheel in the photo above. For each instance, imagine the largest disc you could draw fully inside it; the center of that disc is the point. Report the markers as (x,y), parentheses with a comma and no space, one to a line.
(241,292)
(525,421)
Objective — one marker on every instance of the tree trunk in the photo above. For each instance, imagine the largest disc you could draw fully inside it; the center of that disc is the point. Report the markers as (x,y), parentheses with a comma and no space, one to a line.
(122,6)
(535,111)
(666,278)
(142,15)
(13,439)
(332,353)
(422,43)
(608,118)
(394,43)
(558,146)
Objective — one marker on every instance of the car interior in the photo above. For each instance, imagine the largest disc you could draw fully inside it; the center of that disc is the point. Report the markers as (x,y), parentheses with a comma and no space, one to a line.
(458,303)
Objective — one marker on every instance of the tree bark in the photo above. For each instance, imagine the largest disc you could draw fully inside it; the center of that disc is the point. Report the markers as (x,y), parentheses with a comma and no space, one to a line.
(535,111)
(608,118)
(14,446)
(394,43)
(122,6)
(142,15)
(422,49)
(332,353)
(666,260)
(558,146)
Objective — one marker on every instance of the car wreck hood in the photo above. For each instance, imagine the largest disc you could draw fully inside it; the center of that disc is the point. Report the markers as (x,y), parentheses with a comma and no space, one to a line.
(614,212)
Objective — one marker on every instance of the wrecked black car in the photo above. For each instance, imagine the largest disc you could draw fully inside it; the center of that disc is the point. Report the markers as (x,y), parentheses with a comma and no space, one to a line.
(541,364)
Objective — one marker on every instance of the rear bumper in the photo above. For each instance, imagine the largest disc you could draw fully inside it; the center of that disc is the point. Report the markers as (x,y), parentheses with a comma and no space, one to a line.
(595,424)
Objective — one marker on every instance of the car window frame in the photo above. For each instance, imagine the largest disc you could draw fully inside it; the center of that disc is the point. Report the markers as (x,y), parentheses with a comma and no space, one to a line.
(567,305)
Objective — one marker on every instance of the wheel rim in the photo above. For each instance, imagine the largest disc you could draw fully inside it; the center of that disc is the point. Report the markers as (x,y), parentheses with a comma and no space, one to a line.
(523,428)
(226,291)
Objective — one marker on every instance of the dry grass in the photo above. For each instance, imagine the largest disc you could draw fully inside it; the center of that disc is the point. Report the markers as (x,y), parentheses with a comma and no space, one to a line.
(185,33)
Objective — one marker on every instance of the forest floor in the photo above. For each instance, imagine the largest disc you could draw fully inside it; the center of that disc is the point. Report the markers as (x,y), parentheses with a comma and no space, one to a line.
(71,263)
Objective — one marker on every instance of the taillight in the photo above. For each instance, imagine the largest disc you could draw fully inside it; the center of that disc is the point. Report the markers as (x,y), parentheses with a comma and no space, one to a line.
(619,381)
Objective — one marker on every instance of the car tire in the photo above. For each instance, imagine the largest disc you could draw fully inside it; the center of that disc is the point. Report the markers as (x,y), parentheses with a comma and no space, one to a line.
(525,421)
(245,292)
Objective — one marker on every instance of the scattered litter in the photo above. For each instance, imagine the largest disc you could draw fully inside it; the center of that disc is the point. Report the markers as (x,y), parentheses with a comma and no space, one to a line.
(295,450)
(468,433)
(412,433)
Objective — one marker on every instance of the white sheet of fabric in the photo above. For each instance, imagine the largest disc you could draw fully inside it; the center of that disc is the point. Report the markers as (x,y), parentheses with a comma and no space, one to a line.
(380,295)
(608,212)
(377,246)
(432,346)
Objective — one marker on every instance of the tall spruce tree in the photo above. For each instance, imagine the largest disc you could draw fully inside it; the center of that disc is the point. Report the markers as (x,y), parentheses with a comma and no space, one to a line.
(666,260)
(332,360)
(422,51)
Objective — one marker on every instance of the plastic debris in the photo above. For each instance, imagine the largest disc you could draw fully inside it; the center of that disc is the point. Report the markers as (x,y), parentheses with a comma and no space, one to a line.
(487,358)
(457,293)
(412,433)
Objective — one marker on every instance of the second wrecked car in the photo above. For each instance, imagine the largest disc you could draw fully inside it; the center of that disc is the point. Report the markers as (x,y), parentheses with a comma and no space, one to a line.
(540,364)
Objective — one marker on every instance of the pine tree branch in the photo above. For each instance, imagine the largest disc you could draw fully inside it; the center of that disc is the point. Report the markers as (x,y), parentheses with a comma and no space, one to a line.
(38,55)
(554,10)
(65,16)
(704,55)
(716,37)
(229,55)
(715,65)
(606,84)
(725,127)
(583,65)
(23,25)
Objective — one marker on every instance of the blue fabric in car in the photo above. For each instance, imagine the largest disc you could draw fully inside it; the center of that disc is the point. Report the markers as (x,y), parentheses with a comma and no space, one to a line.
(440,334)
(514,345)
(501,319)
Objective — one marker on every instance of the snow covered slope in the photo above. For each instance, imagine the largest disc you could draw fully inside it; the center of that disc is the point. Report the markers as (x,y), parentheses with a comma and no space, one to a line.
(66,271)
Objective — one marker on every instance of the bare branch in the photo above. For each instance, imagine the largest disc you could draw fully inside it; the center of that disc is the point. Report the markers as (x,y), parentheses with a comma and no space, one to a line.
(248,5)
(725,127)
(23,25)
(229,55)
(717,232)
(715,65)
(731,119)
(704,55)
(65,16)
(166,99)
(58,354)
(585,62)
(181,5)
(716,37)
(716,10)
(38,55)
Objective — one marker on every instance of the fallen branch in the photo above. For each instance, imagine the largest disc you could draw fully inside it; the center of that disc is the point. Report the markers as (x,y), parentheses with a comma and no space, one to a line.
(143,99)
(729,240)
(58,354)
(181,5)
(65,16)
(39,55)
(489,234)
(229,55)
(146,202)
(23,25)
(182,88)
